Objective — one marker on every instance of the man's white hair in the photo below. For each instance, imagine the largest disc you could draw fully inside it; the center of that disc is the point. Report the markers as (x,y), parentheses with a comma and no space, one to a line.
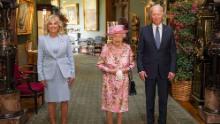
(155,6)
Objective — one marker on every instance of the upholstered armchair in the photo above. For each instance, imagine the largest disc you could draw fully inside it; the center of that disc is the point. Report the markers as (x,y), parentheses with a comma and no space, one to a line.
(27,87)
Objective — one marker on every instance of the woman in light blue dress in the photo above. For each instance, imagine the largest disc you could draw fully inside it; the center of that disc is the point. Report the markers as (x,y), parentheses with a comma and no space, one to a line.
(56,67)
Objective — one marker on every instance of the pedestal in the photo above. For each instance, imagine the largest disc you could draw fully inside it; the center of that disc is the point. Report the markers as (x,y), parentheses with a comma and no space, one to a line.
(210,111)
(21,119)
(198,82)
(10,109)
(209,118)
(212,100)
(9,103)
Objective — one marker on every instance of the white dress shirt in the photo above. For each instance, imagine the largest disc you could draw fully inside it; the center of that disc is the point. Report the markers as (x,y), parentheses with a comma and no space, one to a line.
(160,26)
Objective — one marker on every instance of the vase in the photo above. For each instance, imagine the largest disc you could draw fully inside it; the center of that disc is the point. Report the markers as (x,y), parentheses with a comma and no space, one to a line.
(181,90)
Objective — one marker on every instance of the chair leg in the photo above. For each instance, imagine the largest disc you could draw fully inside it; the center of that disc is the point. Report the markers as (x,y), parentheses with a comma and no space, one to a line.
(35,103)
(43,99)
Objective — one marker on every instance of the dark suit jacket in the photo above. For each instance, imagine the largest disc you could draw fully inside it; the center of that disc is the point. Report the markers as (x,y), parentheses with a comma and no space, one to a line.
(153,60)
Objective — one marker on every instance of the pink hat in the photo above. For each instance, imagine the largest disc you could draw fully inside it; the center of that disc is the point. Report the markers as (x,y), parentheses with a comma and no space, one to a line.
(117,29)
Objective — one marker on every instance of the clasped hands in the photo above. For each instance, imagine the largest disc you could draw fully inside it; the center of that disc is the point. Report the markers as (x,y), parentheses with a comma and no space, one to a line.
(118,73)
(143,75)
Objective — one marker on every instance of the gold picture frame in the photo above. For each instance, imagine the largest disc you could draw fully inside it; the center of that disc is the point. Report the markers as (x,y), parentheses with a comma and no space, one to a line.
(91,18)
(24,16)
(72,13)
(55,3)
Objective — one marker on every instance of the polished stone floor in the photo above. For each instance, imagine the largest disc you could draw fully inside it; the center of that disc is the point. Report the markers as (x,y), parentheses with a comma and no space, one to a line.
(84,107)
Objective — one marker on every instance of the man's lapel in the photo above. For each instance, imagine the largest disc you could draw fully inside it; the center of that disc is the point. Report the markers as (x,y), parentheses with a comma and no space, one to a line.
(152,36)
(163,35)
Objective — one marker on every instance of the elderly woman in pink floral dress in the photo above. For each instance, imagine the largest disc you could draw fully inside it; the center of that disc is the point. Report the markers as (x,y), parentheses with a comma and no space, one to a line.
(115,61)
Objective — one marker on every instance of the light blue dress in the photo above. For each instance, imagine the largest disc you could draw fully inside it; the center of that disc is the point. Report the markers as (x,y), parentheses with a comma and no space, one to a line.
(52,53)
(57,89)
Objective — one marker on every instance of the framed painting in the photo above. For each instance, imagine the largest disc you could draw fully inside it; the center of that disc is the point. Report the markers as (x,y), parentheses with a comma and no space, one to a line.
(25,17)
(55,3)
(72,13)
(91,19)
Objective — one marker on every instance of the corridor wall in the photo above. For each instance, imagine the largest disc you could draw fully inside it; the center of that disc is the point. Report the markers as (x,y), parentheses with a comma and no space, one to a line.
(102,19)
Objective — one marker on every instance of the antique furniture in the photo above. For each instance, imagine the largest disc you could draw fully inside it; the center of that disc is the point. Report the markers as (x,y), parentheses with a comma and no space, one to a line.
(97,49)
(99,42)
(90,42)
(207,68)
(91,46)
(203,30)
(83,46)
(28,87)
(10,109)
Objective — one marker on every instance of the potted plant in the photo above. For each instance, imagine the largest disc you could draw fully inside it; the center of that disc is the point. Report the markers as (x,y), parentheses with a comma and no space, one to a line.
(182,17)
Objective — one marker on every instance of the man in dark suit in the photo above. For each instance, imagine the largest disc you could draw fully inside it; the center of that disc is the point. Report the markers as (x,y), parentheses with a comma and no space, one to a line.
(156,62)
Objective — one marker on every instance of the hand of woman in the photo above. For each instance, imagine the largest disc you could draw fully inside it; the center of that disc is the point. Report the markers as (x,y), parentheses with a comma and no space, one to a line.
(70,80)
(113,71)
(44,82)
(125,70)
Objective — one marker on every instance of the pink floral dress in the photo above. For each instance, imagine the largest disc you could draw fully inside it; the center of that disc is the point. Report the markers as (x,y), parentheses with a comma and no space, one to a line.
(115,92)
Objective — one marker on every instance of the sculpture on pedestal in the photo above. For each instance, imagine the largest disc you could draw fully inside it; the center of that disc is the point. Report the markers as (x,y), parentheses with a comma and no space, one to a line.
(9,97)
(7,40)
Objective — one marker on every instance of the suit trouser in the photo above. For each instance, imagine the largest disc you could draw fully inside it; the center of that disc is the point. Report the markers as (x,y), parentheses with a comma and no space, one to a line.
(150,88)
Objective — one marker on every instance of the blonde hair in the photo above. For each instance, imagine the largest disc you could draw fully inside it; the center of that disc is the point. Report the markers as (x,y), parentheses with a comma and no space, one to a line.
(57,19)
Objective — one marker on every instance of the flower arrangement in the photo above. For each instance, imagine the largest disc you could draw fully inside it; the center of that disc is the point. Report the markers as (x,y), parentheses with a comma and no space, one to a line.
(182,18)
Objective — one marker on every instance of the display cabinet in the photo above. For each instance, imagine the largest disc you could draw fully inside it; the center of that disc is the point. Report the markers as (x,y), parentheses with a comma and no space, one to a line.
(203,31)
(206,80)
